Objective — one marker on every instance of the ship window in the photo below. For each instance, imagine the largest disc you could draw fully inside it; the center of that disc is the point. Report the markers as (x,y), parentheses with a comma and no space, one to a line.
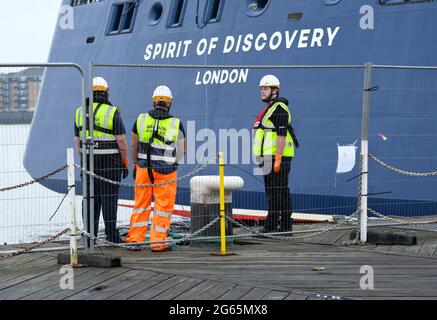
(332,2)
(387,3)
(128,15)
(214,10)
(256,7)
(155,13)
(177,13)
(122,17)
(295,16)
(75,3)
(117,11)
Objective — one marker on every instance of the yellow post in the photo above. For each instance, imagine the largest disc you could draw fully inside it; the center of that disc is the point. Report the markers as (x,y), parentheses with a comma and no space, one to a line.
(222,204)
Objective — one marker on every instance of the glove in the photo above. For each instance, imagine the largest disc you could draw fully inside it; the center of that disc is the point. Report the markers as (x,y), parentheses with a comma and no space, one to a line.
(135,172)
(125,170)
(278,161)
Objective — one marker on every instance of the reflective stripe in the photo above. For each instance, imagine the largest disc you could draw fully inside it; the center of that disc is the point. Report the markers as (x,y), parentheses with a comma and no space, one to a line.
(159,229)
(97,139)
(171,131)
(162,147)
(106,117)
(267,125)
(143,156)
(140,224)
(142,120)
(273,144)
(78,118)
(142,210)
(105,138)
(106,122)
(103,151)
(162,214)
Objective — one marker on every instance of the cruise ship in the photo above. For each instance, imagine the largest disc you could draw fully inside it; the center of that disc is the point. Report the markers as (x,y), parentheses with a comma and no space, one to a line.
(326,103)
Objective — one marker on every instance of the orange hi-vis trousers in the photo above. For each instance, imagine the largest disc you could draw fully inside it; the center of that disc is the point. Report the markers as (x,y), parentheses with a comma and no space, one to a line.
(164,197)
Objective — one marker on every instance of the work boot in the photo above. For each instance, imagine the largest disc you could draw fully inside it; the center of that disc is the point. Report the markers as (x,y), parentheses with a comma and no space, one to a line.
(166,249)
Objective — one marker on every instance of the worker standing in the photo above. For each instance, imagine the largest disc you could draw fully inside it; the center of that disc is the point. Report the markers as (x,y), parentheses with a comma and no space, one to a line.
(110,156)
(158,143)
(274,149)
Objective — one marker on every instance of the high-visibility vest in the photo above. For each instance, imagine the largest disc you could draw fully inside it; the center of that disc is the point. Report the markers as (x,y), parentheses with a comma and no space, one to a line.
(266,136)
(157,142)
(105,141)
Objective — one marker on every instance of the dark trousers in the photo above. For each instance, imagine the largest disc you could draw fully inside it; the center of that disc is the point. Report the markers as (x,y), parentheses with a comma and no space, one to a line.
(105,197)
(278,198)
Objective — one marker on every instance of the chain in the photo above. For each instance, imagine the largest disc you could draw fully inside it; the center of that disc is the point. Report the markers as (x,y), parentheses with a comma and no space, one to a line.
(407,173)
(265,235)
(35,246)
(403,172)
(401,221)
(192,173)
(356,240)
(169,242)
(35,180)
(194,234)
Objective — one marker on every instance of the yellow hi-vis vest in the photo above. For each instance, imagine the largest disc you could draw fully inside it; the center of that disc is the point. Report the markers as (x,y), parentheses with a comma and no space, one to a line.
(157,139)
(266,137)
(103,133)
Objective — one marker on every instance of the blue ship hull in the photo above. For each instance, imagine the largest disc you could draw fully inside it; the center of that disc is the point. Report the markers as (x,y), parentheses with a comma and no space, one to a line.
(326,104)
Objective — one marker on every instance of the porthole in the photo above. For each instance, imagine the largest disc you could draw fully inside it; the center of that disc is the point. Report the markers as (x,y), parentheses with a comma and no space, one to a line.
(156,13)
(332,2)
(255,8)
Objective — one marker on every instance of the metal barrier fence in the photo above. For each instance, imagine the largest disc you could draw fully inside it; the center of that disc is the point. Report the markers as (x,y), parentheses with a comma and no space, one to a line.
(402,136)
(33,156)
(217,106)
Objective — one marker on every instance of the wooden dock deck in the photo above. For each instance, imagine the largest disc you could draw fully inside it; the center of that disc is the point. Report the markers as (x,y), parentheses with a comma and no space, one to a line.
(262,270)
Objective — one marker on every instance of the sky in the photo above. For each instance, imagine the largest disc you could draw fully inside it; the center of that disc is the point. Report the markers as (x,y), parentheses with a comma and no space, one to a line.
(26,29)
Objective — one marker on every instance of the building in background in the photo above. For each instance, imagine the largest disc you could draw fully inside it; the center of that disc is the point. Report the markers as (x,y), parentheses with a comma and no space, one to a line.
(19,94)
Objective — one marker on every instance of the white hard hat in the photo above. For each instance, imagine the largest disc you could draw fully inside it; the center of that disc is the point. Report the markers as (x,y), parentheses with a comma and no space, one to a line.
(270,81)
(100,84)
(162,93)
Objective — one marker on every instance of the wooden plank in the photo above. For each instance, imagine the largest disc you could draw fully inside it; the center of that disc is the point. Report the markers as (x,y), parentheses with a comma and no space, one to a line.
(397,249)
(382,248)
(114,285)
(196,291)
(26,288)
(412,250)
(255,294)
(280,267)
(26,263)
(139,287)
(85,275)
(178,289)
(296,296)
(64,294)
(236,293)
(276,295)
(158,288)
(6,263)
(428,248)
(216,292)
(22,275)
